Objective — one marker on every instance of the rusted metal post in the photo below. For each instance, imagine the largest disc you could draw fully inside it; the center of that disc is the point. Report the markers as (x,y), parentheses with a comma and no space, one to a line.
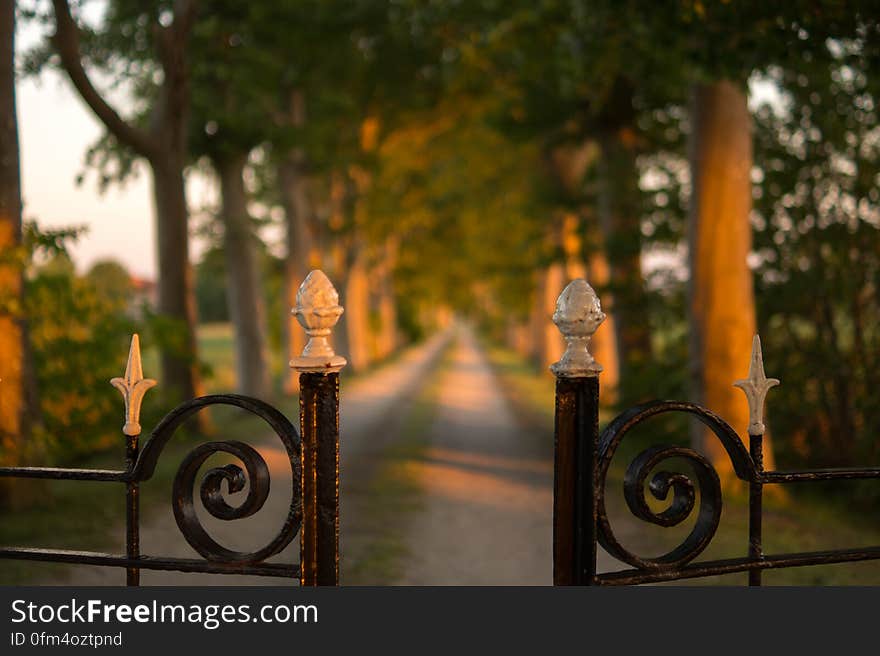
(578,315)
(319,418)
(318,310)
(133,386)
(755,387)
(756,495)
(574,499)
(132,515)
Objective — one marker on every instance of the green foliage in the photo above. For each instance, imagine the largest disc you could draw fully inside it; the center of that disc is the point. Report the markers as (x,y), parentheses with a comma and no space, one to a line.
(444,190)
(210,275)
(79,329)
(111,280)
(470,101)
(817,242)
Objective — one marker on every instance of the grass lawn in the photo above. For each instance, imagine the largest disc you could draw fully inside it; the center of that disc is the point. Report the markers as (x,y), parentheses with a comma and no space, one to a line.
(804,520)
(217,353)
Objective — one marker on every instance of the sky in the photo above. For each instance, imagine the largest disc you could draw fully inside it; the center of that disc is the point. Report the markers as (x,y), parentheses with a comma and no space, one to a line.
(55,130)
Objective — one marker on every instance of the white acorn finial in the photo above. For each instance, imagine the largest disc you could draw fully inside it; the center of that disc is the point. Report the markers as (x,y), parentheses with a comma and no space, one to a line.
(317,310)
(578,315)
(133,387)
(755,387)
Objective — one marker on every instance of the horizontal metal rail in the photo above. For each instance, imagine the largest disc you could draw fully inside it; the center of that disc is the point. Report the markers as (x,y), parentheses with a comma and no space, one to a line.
(734,565)
(149,562)
(59,474)
(820,475)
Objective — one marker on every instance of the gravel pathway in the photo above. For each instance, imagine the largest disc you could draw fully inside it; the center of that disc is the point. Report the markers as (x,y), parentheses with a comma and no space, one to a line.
(488,483)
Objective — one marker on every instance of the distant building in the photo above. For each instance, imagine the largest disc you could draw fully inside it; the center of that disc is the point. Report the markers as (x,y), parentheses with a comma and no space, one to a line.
(144,295)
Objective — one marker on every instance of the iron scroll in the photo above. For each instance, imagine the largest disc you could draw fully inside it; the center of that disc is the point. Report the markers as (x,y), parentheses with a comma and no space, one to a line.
(254,475)
(682,486)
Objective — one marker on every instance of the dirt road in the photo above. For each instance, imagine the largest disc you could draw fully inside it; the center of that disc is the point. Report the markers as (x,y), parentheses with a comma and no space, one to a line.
(488,482)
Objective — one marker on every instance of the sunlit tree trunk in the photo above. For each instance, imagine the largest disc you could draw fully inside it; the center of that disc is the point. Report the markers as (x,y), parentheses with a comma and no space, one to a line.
(356,300)
(533,325)
(722,303)
(15,366)
(517,337)
(243,289)
(603,346)
(552,344)
(351,188)
(302,253)
(546,341)
(347,261)
(620,216)
(536,318)
(568,165)
(387,338)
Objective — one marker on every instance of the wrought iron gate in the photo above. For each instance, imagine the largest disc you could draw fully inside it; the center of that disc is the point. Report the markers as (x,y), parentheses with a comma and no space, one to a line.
(313,456)
(582,460)
(583,457)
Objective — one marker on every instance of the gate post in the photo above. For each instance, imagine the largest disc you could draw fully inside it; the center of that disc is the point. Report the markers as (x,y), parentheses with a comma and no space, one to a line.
(317,310)
(578,315)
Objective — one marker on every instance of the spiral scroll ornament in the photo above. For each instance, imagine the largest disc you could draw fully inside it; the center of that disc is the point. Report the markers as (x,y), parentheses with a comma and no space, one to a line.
(682,504)
(253,474)
(643,472)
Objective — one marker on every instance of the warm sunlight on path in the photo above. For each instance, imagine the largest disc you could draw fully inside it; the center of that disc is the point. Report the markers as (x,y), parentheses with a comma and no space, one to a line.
(488,510)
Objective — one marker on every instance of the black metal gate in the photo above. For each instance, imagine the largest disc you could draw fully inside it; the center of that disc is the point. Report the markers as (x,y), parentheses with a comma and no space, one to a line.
(582,460)
(313,453)
(583,457)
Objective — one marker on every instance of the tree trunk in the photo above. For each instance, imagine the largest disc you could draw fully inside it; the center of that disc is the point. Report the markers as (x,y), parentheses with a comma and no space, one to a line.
(302,255)
(356,301)
(243,289)
(536,317)
(603,346)
(164,145)
(17,406)
(547,343)
(517,337)
(337,264)
(620,215)
(179,359)
(722,303)
(551,343)
(387,338)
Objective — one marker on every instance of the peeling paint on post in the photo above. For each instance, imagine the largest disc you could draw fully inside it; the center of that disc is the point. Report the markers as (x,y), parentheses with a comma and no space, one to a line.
(317,310)
(578,315)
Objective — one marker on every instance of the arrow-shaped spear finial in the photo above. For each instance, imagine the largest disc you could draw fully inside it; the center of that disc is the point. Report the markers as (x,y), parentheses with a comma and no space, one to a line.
(755,387)
(133,386)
